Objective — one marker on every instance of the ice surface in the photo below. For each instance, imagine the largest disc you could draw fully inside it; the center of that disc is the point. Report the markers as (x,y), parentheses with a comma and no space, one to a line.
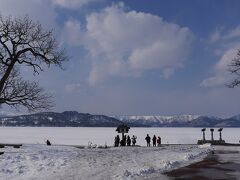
(100,136)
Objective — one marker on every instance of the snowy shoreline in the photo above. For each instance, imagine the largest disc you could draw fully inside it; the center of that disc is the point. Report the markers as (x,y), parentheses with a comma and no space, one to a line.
(35,160)
(65,162)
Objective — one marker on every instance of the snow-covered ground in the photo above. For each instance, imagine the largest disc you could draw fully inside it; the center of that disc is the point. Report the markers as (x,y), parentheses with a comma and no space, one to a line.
(64,162)
(100,136)
(35,160)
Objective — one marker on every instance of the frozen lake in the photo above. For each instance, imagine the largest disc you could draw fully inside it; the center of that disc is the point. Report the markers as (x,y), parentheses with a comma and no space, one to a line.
(100,136)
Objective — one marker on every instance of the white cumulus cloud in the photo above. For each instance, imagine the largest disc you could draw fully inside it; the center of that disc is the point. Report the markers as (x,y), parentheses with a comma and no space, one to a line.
(72,4)
(227,45)
(229,35)
(128,43)
(221,76)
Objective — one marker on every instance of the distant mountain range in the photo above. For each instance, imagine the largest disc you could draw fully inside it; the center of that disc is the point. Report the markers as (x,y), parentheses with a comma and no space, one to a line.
(182,121)
(75,119)
(67,118)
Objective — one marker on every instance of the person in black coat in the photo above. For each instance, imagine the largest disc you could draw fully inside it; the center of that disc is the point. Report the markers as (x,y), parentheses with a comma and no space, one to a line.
(124,140)
(117,141)
(128,141)
(48,143)
(154,139)
(148,139)
(134,140)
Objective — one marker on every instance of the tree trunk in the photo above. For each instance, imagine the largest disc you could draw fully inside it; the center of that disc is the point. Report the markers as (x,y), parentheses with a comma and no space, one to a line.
(5,76)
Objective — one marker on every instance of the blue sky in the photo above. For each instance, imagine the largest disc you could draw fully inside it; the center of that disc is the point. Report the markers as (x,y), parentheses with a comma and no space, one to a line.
(140,57)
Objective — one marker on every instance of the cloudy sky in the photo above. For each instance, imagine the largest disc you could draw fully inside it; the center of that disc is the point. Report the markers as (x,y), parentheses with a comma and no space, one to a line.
(140,57)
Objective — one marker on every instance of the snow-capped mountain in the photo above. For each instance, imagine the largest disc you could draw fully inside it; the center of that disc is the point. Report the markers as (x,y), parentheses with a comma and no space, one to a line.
(181,121)
(236,117)
(206,121)
(75,119)
(155,121)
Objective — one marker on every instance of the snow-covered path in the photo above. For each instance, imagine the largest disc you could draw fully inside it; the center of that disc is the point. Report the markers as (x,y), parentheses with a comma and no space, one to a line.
(64,162)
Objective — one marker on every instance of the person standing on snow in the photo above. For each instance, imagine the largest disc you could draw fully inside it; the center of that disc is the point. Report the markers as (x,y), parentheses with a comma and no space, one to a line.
(154,139)
(48,143)
(124,140)
(159,141)
(128,141)
(134,140)
(117,141)
(148,139)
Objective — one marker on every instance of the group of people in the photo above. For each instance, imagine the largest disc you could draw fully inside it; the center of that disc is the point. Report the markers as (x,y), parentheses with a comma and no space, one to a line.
(125,141)
(155,140)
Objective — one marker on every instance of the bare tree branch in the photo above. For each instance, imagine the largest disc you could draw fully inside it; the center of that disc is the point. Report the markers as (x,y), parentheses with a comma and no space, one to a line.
(25,43)
(28,94)
(234,68)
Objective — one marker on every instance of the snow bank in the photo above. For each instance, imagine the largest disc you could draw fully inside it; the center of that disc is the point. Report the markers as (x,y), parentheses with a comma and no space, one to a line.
(63,162)
(33,161)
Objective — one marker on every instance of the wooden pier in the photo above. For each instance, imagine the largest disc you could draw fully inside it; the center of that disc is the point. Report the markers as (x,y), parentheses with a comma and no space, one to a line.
(219,142)
(2,145)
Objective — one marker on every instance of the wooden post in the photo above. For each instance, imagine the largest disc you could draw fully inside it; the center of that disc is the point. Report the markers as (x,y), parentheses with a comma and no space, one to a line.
(220,133)
(204,136)
(212,133)
(203,130)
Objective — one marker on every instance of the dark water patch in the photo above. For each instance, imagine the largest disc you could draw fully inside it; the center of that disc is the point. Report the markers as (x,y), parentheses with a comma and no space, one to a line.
(209,168)
(225,152)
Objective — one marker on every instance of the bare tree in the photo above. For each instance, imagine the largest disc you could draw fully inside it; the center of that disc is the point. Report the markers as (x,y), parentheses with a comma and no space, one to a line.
(25,43)
(235,69)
